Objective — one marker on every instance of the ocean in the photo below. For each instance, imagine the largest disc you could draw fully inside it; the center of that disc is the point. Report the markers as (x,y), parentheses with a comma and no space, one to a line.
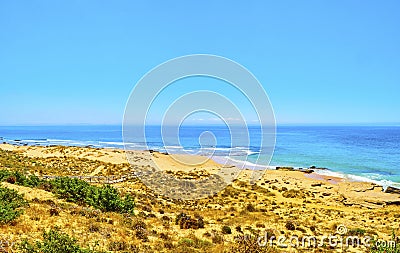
(363,153)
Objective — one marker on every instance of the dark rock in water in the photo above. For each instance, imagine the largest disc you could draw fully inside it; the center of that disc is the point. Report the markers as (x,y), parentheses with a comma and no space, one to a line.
(308,171)
(317,168)
(17,140)
(390,189)
(285,168)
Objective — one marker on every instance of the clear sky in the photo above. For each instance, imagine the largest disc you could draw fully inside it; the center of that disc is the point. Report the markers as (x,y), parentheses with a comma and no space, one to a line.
(71,62)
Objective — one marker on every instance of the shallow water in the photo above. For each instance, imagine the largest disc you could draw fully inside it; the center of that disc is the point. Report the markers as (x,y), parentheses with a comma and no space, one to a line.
(358,152)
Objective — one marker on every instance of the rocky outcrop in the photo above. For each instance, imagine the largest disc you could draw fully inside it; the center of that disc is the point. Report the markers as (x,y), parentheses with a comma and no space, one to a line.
(390,189)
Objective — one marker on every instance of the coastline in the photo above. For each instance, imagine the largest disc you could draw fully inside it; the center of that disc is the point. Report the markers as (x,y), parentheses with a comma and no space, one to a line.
(322,172)
(307,176)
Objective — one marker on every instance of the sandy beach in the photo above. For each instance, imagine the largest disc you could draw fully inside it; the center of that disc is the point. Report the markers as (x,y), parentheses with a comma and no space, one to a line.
(282,202)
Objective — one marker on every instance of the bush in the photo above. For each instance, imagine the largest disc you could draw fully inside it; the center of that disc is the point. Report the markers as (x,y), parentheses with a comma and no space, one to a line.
(10,205)
(250,244)
(53,242)
(140,230)
(34,181)
(4,174)
(290,225)
(392,246)
(217,238)
(105,198)
(71,189)
(19,178)
(226,230)
(251,208)
(292,193)
(193,242)
(357,232)
(186,222)
(122,246)
(11,180)
(29,181)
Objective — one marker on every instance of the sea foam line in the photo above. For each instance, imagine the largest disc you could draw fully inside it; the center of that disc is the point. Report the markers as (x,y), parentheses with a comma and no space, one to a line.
(219,159)
(326,172)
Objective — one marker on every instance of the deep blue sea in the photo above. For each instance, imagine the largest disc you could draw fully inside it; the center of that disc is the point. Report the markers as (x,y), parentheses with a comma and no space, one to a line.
(357,152)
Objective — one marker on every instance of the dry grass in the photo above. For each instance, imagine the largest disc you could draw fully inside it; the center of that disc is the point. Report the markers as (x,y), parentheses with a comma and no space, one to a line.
(248,210)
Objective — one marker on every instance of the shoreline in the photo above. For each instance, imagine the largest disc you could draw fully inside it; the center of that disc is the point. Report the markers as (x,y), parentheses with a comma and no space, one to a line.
(322,173)
(165,160)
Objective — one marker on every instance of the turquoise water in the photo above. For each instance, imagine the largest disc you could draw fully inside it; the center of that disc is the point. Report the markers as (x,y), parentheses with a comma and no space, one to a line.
(368,151)
(358,152)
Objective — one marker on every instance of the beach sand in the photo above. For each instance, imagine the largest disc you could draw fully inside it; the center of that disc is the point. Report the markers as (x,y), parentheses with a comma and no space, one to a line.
(283,202)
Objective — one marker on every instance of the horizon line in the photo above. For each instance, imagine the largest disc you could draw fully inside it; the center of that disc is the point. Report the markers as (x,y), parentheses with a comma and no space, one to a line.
(205,124)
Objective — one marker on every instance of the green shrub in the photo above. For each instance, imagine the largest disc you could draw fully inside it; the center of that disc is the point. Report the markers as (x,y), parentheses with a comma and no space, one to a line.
(10,205)
(392,246)
(71,189)
(117,246)
(226,230)
(187,244)
(105,198)
(33,181)
(53,242)
(4,174)
(20,179)
(357,231)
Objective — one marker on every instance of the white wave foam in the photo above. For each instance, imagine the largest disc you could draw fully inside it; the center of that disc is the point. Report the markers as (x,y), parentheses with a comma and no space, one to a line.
(241,164)
(356,178)
(173,147)
(59,140)
(34,140)
(351,177)
(119,143)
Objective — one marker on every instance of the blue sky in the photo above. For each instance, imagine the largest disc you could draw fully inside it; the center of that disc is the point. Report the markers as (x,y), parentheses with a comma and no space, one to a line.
(73,62)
